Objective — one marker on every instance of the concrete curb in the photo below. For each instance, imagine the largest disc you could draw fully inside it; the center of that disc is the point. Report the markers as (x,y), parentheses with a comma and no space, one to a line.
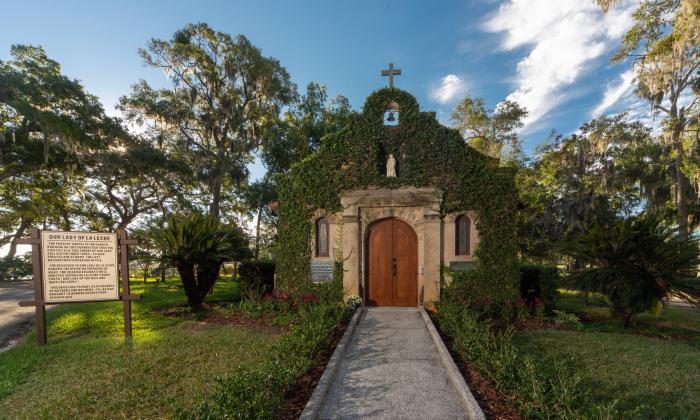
(470,405)
(313,407)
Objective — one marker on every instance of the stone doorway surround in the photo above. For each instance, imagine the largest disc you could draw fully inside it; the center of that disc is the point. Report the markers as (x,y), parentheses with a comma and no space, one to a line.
(419,207)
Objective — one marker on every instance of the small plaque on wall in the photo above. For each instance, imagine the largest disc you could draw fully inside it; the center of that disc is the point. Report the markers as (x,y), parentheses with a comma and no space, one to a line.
(321,271)
(462,266)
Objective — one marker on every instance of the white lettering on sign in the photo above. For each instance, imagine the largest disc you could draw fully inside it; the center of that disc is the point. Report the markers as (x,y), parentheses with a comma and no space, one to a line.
(79,266)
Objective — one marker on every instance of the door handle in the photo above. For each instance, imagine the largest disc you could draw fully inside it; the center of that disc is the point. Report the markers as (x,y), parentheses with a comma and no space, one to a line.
(393,266)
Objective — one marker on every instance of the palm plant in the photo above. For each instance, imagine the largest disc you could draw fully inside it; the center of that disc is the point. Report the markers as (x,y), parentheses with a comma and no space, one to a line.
(197,245)
(636,263)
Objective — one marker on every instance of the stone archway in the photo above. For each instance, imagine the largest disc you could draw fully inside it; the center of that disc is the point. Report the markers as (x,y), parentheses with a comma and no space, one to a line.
(392,264)
(418,208)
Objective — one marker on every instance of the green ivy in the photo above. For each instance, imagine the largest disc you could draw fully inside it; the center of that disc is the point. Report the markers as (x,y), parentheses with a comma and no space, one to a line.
(429,155)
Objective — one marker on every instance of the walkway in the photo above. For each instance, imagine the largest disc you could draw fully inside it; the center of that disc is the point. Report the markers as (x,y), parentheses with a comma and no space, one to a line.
(14,320)
(392,369)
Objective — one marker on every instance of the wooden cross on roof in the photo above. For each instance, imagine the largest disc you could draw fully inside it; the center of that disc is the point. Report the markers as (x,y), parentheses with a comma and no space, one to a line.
(391,73)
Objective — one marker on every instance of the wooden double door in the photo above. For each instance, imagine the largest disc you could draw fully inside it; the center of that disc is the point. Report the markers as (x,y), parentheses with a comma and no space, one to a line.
(392,264)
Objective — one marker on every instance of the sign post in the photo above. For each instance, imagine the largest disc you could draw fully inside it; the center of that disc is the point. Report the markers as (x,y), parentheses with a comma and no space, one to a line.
(79,267)
(126,296)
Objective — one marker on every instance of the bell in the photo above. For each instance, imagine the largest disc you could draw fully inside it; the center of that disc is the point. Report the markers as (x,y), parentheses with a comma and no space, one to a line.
(391,118)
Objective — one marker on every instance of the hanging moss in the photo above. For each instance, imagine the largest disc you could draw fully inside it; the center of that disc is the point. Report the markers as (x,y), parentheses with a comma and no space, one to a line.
(430,155)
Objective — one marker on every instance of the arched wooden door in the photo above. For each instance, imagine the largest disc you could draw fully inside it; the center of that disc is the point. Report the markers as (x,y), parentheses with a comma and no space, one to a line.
(392,264)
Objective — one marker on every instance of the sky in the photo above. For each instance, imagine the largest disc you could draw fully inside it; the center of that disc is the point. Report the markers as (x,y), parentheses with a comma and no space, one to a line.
(550,56)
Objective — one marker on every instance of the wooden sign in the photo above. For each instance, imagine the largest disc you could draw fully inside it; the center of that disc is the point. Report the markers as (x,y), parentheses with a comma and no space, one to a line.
(78,267)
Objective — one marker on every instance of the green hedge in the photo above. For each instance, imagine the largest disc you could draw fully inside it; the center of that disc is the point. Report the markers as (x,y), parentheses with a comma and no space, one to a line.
(430,155)
(257,275)
(539,282)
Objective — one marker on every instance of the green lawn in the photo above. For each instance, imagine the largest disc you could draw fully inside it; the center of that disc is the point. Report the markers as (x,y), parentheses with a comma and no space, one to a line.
(88,371)
(659,375)
(598,306)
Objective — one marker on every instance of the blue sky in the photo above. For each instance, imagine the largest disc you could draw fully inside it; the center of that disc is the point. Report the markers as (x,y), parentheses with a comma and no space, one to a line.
(551,56)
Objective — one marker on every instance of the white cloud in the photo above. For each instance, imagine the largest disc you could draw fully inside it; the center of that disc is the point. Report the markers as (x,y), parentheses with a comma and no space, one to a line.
(451,88)
(563,40)
(613,93)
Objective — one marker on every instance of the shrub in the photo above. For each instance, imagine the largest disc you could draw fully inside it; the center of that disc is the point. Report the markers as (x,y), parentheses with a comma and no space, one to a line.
(522,311)
(466,289)
(542,389)
(16,268)
(354,301)
(567,320)
(256,277)
(550,389)
(197,245)
(257,391)
(539,283)
(539,307)
(636,263)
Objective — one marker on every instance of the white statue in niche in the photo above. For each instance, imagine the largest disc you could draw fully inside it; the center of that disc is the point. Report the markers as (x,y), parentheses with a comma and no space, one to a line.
(391,167)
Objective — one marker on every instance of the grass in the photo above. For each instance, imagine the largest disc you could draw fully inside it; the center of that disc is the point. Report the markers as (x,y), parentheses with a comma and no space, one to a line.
(670,322)
(658,374)
(88,371)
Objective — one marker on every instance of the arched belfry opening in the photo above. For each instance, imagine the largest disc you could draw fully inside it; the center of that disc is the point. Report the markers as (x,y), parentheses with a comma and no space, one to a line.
(391,114)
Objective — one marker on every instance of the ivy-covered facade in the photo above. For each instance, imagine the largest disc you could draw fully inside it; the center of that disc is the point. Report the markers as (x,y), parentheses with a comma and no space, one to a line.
(442,188)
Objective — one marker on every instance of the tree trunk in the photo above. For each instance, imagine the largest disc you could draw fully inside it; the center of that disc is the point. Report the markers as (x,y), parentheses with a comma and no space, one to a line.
(162,272)
(682,189)
(24,224)
(215,206)
(629,319)
(67,225)
(207,274)
(189,283)
(257,229)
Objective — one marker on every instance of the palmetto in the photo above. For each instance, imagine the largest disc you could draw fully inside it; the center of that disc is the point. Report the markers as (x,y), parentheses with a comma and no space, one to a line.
(197,245)
(636,263)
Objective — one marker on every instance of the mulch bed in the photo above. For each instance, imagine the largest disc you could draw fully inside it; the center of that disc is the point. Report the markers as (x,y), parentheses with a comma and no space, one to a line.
(493,402)
(589,319)
(672,337)
(210,316)
(297,397)
(526,325)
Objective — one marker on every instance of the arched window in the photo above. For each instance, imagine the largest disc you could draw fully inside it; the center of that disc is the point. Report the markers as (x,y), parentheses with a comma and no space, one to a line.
(462,228)
(322,237)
